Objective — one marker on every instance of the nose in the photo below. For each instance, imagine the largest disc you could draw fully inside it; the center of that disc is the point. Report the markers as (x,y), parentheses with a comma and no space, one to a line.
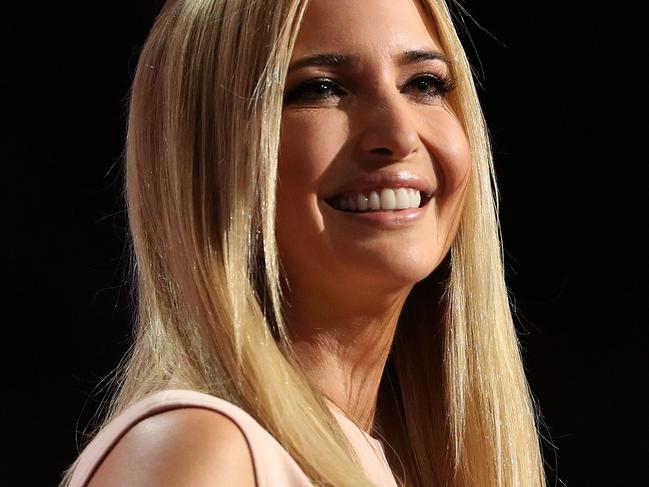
(388,134)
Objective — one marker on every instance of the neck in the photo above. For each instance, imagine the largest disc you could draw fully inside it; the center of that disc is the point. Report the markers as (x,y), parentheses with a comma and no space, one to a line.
(342,345)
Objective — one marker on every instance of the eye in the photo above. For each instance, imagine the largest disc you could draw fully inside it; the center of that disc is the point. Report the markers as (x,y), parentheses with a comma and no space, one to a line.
(313,90)
(432,85)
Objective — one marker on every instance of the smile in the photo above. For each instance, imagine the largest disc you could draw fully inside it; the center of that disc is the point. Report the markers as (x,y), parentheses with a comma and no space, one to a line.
(387,216)
(380,200)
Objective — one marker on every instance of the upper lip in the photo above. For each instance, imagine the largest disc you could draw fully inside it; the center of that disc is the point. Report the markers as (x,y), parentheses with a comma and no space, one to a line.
(384,179)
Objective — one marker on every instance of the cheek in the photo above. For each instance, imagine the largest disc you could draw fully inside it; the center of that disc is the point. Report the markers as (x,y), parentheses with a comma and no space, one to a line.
(451,154)
(298,172)
(308,144)
(450,150)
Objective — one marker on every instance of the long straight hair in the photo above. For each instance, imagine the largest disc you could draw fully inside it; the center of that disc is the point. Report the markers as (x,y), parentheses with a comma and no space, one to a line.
(202,145)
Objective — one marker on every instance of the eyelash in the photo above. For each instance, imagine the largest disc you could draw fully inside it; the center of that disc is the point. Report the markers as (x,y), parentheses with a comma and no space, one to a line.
(442,86)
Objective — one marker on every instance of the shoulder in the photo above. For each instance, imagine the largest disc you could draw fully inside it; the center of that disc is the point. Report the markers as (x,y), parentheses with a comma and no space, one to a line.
(186,445)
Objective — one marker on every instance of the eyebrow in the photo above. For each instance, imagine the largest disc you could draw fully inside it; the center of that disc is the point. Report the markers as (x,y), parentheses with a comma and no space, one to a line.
(346,60)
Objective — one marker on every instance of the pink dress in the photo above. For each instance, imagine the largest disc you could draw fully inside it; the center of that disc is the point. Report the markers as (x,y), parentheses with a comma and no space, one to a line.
(273,466)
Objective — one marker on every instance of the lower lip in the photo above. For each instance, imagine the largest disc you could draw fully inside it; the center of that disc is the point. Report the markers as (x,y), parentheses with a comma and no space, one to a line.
(393,219)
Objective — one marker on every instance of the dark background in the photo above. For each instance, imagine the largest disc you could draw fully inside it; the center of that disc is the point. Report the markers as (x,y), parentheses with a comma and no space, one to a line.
(563,88)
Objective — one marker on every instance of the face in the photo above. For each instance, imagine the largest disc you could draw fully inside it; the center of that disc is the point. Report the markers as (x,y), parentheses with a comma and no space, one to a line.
(373,162)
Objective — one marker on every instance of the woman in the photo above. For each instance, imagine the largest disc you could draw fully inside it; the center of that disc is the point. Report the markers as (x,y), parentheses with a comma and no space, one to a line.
(317,258)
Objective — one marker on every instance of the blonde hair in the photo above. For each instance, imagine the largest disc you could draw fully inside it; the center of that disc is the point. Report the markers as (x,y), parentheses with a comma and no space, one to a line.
(201,170)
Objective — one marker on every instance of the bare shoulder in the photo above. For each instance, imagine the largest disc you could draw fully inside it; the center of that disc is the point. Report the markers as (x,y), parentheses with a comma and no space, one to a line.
(186,446)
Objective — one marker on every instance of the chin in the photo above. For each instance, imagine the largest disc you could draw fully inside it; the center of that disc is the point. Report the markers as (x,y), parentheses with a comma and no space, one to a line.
(397,269)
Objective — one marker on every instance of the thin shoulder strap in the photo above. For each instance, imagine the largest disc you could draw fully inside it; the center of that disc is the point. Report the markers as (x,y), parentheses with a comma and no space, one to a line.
(272,463)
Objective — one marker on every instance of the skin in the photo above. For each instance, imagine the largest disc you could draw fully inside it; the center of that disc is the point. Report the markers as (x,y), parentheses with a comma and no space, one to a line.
(347,281)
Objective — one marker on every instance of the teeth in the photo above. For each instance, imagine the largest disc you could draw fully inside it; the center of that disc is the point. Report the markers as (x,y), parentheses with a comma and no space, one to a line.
(402,198)
(363,202)
(415,199)
(388,200)
(375,201)
(384,199)
(352,203)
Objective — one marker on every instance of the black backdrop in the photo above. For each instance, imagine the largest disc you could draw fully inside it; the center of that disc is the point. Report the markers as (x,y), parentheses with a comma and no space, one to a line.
(563,89)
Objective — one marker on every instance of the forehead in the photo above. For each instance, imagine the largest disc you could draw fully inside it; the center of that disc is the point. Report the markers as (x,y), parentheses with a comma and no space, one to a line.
(380,26)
